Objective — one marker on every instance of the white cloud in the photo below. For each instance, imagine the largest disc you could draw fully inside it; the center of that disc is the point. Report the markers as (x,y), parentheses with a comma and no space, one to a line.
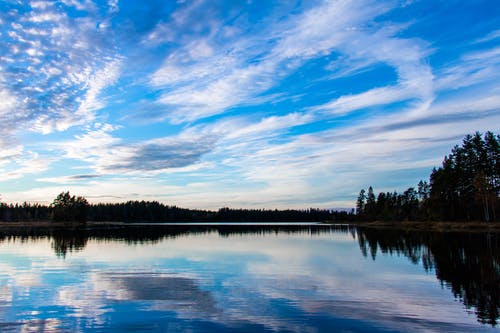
(200,101)
(483,54)
(45,17)
(106,154)
(113,6)
(267,126)
(373,97)
(106,76)
(325,27)
(471,69)
(229,78)
(93,146)
(162,33)
(59,64)
(41,4)
(74,179)
(18,162)
(82,5)
(489,37)
(9,102)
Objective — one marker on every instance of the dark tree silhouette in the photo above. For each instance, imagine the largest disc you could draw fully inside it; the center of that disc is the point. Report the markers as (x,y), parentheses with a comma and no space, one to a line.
(371,202)
(466,187)
(360,203)
(69,208)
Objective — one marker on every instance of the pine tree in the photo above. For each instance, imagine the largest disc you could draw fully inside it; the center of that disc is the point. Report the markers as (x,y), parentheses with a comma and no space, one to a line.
(360,203)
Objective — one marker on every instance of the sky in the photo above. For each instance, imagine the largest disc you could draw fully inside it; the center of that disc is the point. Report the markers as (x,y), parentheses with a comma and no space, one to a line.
(254,104)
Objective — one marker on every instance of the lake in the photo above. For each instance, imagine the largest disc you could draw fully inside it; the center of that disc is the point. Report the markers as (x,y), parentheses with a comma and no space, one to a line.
(247,278)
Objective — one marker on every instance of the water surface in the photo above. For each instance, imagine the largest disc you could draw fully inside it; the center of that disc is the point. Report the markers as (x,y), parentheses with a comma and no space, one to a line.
(247,278)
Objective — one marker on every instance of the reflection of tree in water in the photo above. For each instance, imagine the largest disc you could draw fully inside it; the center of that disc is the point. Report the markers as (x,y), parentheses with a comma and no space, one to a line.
(68,240)
(467,263)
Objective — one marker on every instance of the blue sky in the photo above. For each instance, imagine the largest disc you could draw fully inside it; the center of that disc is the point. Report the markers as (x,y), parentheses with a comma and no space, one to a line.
(271,104)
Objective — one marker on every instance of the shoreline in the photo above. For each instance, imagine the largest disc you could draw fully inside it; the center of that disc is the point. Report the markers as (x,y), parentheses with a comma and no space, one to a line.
(50,224)
(442,226)
(439,226)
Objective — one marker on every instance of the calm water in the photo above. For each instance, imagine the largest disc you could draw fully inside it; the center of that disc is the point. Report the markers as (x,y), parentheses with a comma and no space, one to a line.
(249,278)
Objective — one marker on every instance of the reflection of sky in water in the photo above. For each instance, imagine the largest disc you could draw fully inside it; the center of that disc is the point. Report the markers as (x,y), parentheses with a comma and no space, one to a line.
(273,282)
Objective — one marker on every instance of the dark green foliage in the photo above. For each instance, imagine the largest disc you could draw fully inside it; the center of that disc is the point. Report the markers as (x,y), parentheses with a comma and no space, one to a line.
(390,206)
(361,202)
(24,212)
(371,202)
(67,208)
(466,187)
(76,209)
(424,190)
(144,211)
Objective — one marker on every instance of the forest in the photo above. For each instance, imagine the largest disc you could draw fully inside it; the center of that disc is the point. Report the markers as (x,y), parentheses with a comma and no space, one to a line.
(466,187)
(67,208)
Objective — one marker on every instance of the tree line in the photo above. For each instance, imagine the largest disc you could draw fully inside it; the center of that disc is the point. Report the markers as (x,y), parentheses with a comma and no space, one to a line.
(68,208)
(154,211)
(466,187)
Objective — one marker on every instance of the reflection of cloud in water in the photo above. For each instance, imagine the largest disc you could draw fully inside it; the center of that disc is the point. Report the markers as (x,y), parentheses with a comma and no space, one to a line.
(383,316)
(27,279)
(347,286)
(41,325)
(5,295)
(170,290)
(10,327)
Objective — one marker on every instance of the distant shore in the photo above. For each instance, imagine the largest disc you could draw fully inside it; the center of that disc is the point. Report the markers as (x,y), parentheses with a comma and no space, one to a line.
(50,224)
(474,226)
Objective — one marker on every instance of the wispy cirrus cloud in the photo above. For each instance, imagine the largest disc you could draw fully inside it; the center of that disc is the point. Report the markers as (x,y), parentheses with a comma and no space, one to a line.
(18,162)
(495,34)
(201,82)
(68,179)
(476,67)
